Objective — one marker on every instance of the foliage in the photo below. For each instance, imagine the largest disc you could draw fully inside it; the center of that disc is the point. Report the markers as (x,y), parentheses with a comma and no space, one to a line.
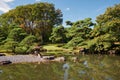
(58,35)
(37,19)
(26,45)
(79,32)
(21,50)
(3,34)
(28,41)
(97,44)
(17,34)
(69,23)
(104,36)
(109,22)
(9,44)
(107,30)
(6,31)
(14,36)
(28,25)
(17,40)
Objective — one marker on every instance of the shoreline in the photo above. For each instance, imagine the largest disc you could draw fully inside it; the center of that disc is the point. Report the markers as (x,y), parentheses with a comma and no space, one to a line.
(30,59)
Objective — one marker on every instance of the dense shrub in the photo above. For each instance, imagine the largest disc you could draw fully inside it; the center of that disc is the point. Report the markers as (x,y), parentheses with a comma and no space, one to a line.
(17,34)
(28,41)
(21,50)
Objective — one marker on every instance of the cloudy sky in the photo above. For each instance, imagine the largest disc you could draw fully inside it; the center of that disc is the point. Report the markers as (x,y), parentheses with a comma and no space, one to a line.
(72,9)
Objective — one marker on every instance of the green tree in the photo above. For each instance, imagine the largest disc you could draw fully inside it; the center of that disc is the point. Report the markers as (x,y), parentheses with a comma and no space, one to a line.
(58,35)
(26,44)
(69,23)
(28,41)
(36,19)
(17,34)
(108,24)
(106,33)
(3,34)
(11,37)
(79,31)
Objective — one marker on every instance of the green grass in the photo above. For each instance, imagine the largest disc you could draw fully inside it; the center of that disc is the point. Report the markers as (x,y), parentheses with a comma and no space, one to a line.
(54,49)
(6,52)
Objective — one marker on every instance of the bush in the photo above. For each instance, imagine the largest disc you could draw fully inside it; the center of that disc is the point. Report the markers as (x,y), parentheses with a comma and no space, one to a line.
(60,45)
(28,41)
(21,50)
(74,42)
(97,44)
(9,44)
(30,49)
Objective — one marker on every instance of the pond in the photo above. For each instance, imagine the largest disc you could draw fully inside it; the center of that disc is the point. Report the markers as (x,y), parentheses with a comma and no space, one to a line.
(88,67)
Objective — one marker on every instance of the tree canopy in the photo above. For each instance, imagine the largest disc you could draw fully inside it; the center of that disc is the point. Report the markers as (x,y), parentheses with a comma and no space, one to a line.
(37,19)
(58,35)
(28,25)
(79,31)
(106,32)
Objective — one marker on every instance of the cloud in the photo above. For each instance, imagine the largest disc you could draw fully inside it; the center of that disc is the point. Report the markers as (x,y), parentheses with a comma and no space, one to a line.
(4,7)
(7,0)
(37,0)
(67,9)
(101,9)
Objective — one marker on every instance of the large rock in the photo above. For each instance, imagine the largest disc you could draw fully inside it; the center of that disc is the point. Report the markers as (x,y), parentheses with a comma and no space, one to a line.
(5,62)
(1,54)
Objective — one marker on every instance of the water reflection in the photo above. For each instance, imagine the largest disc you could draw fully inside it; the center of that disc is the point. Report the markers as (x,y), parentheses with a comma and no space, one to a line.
(88,68)
(66,68)
(10,77)
(82,72)
(101,64)
(1,71)
(92,78)
(85,63)
(108,78)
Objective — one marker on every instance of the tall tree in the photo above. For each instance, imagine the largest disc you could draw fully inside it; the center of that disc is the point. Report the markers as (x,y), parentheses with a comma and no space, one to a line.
(37,19)
(107,30)
(79,31)
(69,23)
(109,22)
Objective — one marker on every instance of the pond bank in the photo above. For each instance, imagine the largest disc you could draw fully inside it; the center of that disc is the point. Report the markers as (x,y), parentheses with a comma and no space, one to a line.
(29,58)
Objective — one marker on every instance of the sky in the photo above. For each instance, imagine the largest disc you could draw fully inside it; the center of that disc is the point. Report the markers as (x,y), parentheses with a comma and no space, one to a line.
(72,10)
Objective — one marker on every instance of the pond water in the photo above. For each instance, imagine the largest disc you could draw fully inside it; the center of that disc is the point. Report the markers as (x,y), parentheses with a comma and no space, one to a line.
(88,67)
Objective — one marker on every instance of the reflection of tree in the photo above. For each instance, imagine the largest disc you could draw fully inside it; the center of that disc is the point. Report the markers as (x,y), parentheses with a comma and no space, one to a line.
(66,68)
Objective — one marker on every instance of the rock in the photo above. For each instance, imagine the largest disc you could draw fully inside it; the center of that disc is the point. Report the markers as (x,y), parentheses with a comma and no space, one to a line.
(5,62)
(74,59)
(1,54)
(60,59)
(50,58)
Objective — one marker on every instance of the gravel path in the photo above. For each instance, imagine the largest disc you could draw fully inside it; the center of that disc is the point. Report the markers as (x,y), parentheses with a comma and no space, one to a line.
(27,58)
